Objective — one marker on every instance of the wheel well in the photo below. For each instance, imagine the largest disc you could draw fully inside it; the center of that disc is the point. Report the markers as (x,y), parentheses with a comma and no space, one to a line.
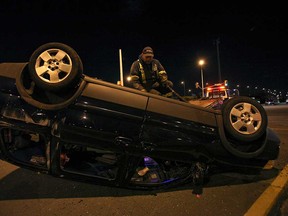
(45,99)
(237,148)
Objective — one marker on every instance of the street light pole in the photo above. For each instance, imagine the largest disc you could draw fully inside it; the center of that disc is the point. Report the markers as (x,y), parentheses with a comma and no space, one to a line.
(201,63)
(202,80)
(218,59)
(183,83)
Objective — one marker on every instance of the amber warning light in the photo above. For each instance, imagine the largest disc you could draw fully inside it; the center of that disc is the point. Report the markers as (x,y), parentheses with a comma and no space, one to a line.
(217,88)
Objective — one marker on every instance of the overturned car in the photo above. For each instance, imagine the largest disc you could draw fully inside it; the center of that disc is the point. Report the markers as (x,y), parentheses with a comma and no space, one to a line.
(56,119)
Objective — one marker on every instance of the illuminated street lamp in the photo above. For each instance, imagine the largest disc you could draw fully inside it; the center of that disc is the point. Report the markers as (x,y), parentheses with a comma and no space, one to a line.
(183,83)
(201,63)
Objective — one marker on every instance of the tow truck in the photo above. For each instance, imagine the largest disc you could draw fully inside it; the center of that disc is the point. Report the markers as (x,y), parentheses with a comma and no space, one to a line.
(215,95)
(221,90)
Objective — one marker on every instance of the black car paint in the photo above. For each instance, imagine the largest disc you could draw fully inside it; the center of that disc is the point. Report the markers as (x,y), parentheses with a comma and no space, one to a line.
(122,120)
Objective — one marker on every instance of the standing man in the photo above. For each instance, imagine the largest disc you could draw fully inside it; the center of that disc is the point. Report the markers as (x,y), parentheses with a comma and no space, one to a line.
(148,75)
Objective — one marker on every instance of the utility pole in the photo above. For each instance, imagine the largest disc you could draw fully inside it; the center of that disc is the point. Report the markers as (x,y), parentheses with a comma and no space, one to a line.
(121,68)
(218,59)
(201,63)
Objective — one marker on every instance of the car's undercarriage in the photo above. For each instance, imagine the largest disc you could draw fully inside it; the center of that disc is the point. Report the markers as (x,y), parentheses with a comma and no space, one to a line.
(56,119)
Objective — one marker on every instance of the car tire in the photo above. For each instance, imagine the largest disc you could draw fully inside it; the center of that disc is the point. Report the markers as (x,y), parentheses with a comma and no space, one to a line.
(55,67)
(244,119)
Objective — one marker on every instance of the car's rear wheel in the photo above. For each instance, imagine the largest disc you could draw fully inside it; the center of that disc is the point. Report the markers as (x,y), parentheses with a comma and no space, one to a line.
(244,119)
(55,67)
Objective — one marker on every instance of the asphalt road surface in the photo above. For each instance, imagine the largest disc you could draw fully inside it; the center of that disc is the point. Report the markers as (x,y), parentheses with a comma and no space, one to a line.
(278,120)
(27,193)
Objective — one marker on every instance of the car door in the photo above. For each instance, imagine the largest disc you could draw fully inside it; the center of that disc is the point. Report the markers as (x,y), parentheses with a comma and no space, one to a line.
(176,130)
(97,133)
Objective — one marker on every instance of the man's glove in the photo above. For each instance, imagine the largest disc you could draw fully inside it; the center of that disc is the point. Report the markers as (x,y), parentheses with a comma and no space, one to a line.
(167,83)
(168,95)
(155,85)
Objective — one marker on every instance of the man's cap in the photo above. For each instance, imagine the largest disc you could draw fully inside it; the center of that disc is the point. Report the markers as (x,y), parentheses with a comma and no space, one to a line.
(148,51)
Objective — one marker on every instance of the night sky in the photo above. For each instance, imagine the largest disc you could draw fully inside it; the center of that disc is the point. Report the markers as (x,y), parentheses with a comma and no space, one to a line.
(253,39)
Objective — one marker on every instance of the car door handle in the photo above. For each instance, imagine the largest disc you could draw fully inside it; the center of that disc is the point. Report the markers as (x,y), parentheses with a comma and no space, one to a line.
(148,145)
(123,141)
